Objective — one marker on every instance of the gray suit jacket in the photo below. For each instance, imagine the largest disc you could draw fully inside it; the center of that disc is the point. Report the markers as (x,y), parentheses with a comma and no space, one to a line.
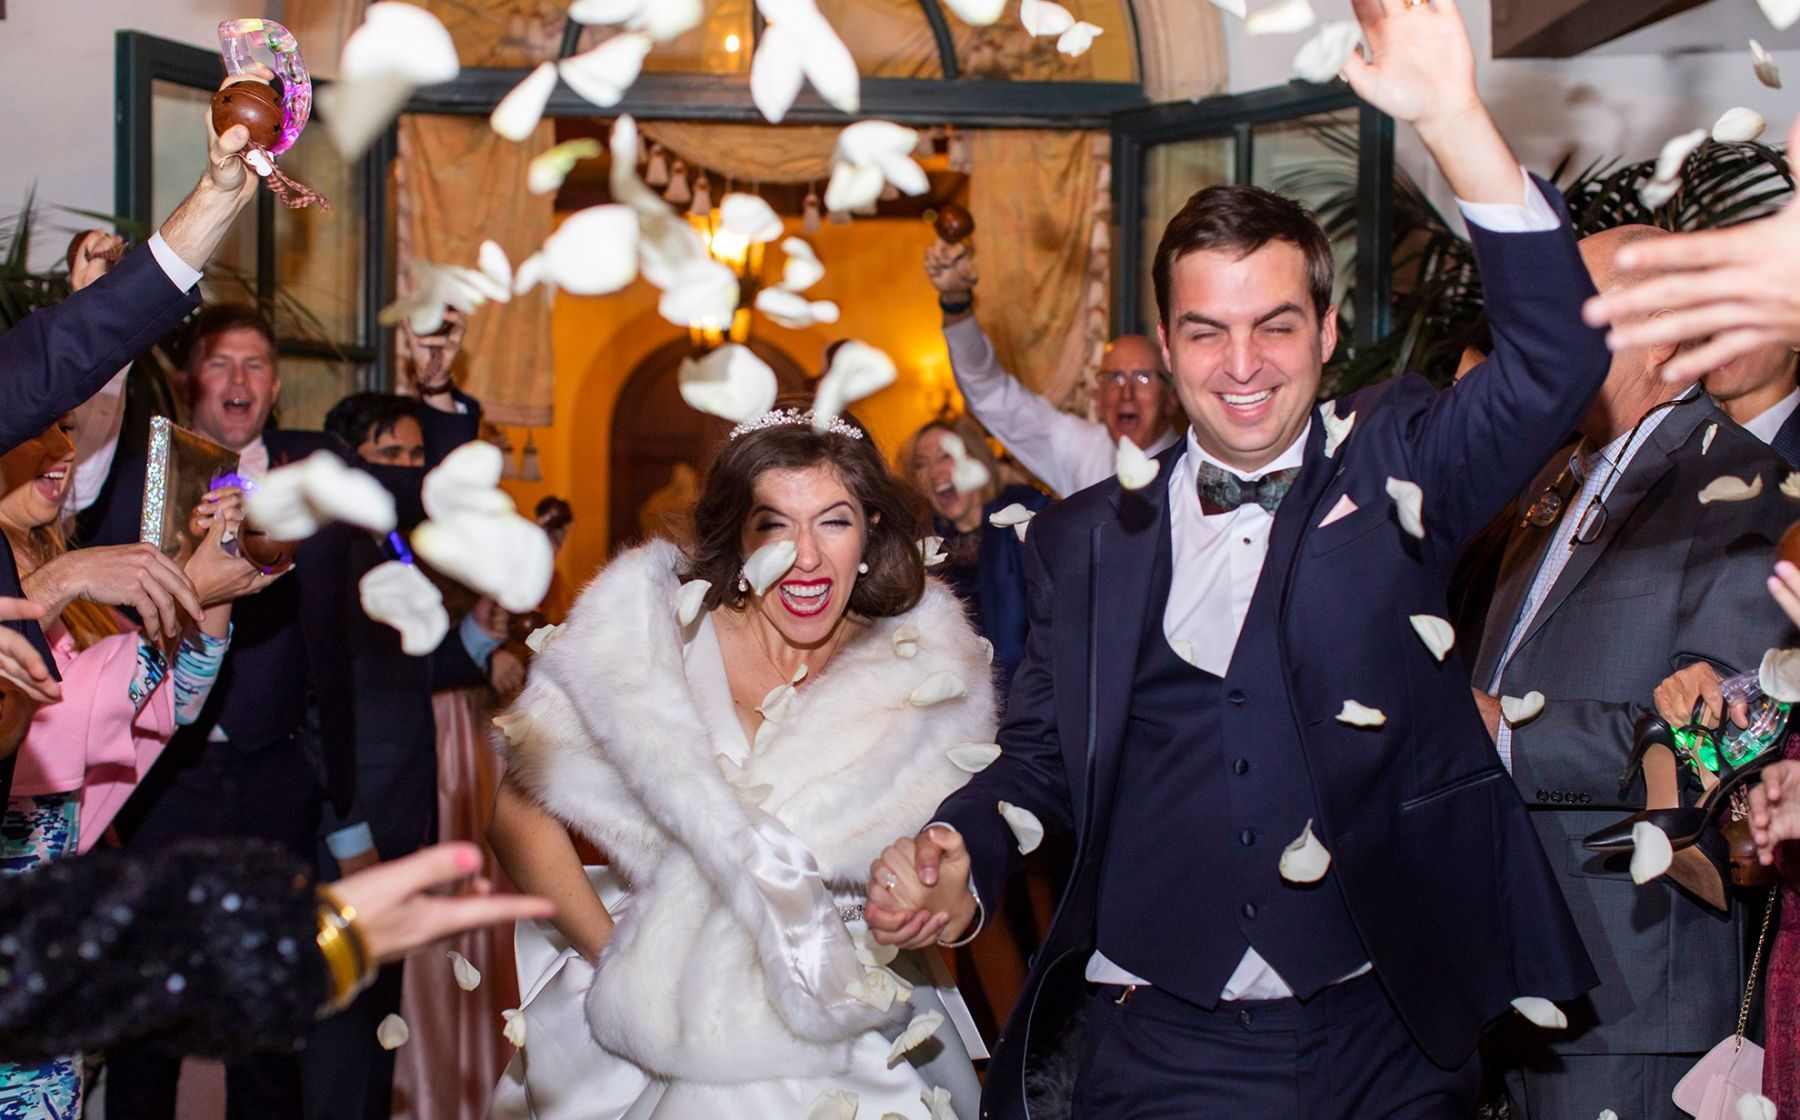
(1668,582)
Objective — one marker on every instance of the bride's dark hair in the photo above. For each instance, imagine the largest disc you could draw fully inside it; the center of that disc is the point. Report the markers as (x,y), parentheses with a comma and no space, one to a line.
(892,511)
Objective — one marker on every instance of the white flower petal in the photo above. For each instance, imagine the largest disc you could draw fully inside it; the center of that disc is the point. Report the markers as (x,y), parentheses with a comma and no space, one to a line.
(1607,1114)
(1437,633)
(514,724)
(1706,440)
(1409,503)
(802,269)
(529,272)
(797,42)
(1184,649)
(868,155)
(1654,194)
(1135,469)
(769,563)
(922,1027)
(1541,1012)
(357,110)
(594,251)
(857,370)
(1322,57)
(1779,675)
(829,66)
(974,757)
(1231,7)
(604,11)
(853,186)
(906,640)
(515,1027)
(1285,18)
(1781,13)
(1305,860)
(872,953)
(833,1104)
(876,988)
(1755,1106)
(750,217)
(987,648)
(503,555)
(400,596)
(1767,72)
(779,704)
(1044,17)
(977,13)
(279,507)
(1026,828)
(399,39)
(970,475)
(702,293)
(1790,485)
(1651,853)
(1739,126)
(539,640)
(467,481)
(392,1033)
(329,491)
(519,112)
(932,549)
(468,977)
(731,382)
(1728,488)
(437,287)
(1361,715)
(794,311)
(1667,177)
(937,1098)
(1078,40)
(1014,515)
(775,74)
(669,19)
(546,172)
(1337,428)
(938,688)
(491,259)
(1521,710)
(691,599)
(601,76)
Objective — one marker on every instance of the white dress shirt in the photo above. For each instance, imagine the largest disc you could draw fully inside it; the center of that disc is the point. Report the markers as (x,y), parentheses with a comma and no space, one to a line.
(1068,452)
(1769,421)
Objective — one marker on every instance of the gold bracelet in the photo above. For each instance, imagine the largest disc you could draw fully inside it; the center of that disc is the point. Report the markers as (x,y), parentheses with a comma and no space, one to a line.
(346,952)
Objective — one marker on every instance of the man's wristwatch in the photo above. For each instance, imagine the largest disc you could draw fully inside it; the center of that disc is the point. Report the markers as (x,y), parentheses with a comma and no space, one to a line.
(956,306)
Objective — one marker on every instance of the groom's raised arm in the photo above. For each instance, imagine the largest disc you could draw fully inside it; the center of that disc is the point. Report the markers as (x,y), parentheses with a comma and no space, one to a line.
(1480,443)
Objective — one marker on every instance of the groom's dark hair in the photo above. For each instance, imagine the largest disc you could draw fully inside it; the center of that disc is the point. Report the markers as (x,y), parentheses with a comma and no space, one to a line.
(891,509)
(1240,219)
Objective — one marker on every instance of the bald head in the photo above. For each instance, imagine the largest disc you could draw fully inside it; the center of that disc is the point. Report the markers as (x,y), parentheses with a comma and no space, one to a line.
(1634,384)
(1132,395)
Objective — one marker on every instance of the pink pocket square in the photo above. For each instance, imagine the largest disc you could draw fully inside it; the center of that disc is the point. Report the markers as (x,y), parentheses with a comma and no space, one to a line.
(1344,508)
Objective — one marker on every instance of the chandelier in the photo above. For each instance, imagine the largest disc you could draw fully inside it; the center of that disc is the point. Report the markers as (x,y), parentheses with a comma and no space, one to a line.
(736,252)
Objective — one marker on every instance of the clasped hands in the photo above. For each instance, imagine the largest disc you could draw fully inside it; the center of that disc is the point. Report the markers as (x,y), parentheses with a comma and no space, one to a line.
(919,892)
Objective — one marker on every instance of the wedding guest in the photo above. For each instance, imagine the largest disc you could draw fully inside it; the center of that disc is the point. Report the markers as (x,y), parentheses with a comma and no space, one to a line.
(1227,665)
(379,428)
(1727,291)
(218,946)
(1758,390)
(1132,394)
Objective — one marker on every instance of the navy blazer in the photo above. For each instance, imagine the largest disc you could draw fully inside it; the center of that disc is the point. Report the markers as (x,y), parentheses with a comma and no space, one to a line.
(1439,865)
(57,357)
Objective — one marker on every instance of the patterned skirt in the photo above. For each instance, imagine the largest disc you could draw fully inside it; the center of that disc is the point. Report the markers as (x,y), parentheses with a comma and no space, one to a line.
(34,831)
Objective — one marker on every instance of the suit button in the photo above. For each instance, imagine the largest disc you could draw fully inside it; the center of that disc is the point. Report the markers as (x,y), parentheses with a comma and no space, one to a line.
(1241,766)
(1243,1017)
(1543,795)
(1249,909)
(1246,838)
(1236,696)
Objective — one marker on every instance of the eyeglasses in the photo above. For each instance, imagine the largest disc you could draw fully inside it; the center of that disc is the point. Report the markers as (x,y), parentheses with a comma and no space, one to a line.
(1119,378)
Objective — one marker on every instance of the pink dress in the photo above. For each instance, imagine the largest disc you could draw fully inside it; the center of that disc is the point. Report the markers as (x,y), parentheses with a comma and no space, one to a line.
(95,740)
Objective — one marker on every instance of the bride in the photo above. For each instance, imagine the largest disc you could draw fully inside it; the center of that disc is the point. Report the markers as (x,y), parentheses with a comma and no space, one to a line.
(741,731)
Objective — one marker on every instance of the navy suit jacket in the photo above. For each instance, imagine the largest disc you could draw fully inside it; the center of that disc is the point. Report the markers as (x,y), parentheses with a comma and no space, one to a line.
(58,357)
(1439,865)
(1787,439)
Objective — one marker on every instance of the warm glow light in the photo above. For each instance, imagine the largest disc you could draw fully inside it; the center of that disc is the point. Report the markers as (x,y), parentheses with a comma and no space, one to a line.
(732,43)
(730,248)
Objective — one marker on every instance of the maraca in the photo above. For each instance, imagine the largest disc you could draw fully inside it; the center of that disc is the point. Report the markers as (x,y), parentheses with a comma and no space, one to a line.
(263,550)
(273,126)
(251,104)
(954,224)
(1789,547)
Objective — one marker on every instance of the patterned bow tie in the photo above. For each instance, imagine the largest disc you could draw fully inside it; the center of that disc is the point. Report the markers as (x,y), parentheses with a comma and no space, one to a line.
(1223,492)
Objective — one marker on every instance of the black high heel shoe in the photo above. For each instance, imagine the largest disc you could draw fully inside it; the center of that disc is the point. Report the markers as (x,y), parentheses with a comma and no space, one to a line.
(1684,825)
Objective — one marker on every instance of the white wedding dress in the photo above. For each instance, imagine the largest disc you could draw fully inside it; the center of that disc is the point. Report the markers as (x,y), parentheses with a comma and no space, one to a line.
(563,1074)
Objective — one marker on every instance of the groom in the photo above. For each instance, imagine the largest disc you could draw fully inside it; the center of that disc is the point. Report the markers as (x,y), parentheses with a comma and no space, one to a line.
(1237,656)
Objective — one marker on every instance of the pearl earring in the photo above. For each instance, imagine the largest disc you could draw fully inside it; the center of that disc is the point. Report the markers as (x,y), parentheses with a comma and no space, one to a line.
(863,568)
(743,583)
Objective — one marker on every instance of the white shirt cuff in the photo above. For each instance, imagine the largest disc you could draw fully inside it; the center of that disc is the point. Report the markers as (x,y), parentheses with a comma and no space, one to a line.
(1533,216)
(176,269)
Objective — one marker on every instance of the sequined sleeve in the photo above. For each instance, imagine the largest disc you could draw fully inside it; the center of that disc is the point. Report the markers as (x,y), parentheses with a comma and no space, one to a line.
(210,944)
(197,664)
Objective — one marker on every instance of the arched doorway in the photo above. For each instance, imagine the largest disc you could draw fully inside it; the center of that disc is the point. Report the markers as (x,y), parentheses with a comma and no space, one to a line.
(660,446)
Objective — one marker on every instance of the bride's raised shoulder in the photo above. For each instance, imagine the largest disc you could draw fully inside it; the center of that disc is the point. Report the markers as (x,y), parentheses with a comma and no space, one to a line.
(741,726)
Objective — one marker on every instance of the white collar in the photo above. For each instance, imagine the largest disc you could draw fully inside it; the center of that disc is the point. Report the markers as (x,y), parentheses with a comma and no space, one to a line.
(1292,456)
(1766,423)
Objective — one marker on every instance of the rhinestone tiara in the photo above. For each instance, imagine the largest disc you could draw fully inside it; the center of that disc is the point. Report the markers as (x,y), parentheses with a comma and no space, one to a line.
(790,417)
